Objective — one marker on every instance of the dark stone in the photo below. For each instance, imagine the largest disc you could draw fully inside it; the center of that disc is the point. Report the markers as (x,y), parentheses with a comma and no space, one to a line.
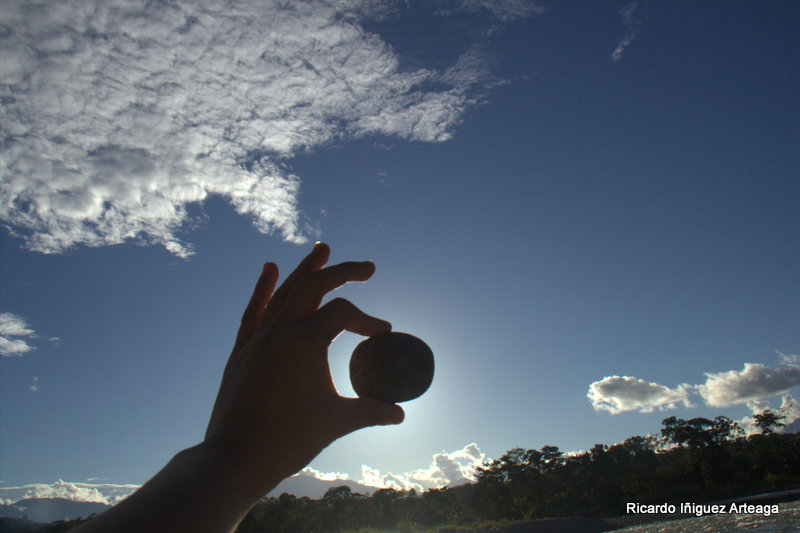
(393,367)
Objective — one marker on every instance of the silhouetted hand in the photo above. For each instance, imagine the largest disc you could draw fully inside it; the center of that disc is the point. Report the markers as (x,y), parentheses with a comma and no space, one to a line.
(277,407)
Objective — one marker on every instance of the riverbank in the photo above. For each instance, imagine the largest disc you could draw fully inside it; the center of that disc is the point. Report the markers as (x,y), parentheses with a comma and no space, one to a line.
(580,524)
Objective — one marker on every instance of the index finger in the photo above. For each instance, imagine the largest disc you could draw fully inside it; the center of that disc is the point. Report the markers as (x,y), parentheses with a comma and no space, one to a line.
(308,293)
(339,315)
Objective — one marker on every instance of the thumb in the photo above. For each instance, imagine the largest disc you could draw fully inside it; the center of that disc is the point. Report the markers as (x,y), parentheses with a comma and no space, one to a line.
(359,413)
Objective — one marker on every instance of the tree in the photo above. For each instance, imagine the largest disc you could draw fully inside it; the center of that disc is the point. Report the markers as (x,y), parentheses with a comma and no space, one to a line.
(597,452)
(340,503)
(768,421)
(695,433)
(551,457)
(514,463)
(334,494)
(384,512)
(724,429)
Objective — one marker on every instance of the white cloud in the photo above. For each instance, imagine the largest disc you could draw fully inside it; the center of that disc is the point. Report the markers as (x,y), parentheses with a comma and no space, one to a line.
(789,409)
(372,477)
(323,476)
(80,492)
(754,382)
(118,117)
(14,332)
(617,394)
(34,386)
(633,17)
(752,385)
(314,483)
(446,469)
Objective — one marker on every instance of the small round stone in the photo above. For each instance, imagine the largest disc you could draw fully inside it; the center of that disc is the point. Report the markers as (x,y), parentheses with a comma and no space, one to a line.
(393,367)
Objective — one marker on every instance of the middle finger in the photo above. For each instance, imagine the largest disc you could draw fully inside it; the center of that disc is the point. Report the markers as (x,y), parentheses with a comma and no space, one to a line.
(315,260)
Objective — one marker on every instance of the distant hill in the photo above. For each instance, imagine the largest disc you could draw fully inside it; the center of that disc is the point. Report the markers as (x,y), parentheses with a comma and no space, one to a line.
(304,484)
(50,509)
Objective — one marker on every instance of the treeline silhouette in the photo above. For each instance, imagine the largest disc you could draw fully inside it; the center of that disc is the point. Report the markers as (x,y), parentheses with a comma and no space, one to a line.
(694,460)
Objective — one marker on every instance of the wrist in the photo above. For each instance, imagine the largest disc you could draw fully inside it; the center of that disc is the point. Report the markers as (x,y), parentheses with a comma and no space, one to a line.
(200,489)
(242,478)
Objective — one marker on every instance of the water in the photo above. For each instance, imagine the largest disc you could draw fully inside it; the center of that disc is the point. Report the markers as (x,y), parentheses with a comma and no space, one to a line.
(786,520)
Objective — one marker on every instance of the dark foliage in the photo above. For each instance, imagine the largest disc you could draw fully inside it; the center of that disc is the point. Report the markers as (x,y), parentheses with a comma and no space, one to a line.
(695,460)
(768,421)
(23,525)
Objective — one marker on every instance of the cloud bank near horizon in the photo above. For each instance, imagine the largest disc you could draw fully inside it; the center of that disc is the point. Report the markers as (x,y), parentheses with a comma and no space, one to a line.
(119,117)
(752,385)
(108,494)
(446,469)
(789,409)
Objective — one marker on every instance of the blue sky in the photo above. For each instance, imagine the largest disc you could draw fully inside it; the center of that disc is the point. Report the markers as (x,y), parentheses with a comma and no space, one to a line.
(589,211)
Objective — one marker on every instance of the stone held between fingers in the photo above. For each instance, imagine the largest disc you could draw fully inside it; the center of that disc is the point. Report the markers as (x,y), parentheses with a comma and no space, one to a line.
(393,367)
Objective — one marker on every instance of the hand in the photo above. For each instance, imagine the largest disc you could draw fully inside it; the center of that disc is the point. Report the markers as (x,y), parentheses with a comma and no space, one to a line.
(277,407)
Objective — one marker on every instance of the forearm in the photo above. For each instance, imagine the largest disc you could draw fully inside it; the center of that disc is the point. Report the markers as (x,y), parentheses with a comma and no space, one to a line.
(198,490)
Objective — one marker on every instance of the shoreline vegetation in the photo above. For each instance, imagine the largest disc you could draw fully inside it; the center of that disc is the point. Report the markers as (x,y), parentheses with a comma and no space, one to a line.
(695,463)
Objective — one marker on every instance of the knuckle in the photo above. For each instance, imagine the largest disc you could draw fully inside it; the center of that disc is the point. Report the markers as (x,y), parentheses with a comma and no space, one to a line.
(290,338)
(309,283)
(300,340)
(340,306)
(341,303)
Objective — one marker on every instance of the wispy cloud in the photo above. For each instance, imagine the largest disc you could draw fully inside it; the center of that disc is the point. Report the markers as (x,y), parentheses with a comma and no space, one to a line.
(788,359)
(117,116)
(617,394)
(14,335)
(634,16)
(502,10)
(34,386)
